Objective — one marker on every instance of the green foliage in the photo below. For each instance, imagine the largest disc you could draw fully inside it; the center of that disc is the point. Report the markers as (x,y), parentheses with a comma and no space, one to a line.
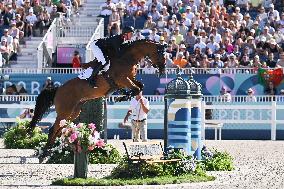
(17,137)
(92,112)
(161,180)
(220,161)
(142,169)
(105,155)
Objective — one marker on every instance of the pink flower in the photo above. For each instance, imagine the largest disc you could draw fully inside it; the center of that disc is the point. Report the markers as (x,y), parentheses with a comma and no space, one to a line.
(92,126)
(100,143)
(62,123)
(90,148)
(73,137)
(80,125)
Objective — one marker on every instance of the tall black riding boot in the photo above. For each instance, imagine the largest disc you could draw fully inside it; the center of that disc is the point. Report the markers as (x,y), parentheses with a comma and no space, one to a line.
(96,70)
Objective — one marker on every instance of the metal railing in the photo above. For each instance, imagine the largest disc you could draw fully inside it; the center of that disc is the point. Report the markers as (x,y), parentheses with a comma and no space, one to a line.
(140,70)
(99,33)
(157,98)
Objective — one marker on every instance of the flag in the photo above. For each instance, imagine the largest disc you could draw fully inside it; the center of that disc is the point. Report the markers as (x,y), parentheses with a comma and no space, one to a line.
(275,76)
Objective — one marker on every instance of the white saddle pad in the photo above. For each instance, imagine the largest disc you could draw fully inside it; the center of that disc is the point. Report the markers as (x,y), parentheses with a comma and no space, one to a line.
(85,74)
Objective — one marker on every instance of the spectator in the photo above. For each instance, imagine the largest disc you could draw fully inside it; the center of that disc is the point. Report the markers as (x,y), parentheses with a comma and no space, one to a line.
(280,62)
(31,20)
(154,36)
(5,51)
(270,89)
(76,60)
(138,35)
(149,24)
(14,32)
(182,49)
(180,61)
(250,97)
(114,19)
(225,95)
(27,113)
(106,9)
(9,40)
(271,63)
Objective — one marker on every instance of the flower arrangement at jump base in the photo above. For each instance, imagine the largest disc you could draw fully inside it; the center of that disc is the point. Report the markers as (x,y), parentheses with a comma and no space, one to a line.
(81,138)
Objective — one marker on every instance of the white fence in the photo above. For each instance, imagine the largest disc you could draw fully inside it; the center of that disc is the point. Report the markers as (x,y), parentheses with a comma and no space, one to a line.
(89,57)
(156,98)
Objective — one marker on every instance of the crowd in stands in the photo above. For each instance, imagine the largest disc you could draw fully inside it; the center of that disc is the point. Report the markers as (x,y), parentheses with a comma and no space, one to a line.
(206,33)
(27,18)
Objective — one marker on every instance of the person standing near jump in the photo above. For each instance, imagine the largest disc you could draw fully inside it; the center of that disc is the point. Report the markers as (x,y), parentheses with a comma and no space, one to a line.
(114,43)
(139,108)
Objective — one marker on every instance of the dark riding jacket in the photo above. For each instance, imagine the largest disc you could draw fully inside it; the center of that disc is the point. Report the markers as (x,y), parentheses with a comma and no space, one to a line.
(110,46)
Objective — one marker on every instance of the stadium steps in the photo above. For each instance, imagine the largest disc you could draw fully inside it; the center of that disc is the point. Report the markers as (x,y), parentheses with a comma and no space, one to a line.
(27,58)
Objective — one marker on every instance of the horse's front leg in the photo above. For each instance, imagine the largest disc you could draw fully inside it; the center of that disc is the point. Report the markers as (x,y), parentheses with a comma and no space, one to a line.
(139,84)
(134,89)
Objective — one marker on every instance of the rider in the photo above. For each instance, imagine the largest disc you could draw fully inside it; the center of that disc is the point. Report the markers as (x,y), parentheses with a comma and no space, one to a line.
(114,43)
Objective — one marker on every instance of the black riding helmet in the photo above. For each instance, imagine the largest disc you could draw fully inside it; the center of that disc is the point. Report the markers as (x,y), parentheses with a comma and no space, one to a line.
(128,29)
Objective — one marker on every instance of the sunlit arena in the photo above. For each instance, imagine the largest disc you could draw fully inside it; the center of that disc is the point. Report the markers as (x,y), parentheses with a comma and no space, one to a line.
(142,94)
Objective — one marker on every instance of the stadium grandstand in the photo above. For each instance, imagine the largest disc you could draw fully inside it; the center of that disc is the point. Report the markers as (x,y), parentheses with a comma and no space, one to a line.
(210,37)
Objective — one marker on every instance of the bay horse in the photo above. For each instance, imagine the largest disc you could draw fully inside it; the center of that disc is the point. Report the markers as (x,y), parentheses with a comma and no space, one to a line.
(69,98)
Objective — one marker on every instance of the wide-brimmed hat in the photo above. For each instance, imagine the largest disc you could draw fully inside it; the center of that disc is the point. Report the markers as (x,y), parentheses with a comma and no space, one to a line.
(182,46)
(121,5)
(250,90)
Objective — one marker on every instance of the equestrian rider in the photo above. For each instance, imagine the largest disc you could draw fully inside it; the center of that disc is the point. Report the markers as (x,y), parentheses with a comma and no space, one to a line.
(113,44)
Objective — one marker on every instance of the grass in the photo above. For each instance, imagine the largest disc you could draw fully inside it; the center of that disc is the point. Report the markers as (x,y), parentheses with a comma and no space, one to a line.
(162,180)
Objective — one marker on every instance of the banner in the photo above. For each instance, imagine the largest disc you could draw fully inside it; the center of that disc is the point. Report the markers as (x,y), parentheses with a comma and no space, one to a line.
(65,54)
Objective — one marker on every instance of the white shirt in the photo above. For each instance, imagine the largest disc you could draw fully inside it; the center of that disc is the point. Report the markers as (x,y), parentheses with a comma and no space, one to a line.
(251,99)
(136,108)
(155,37)
(106,12)
(31,19)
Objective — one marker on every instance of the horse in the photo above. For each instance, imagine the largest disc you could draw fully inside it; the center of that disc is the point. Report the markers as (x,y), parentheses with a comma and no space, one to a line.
(69,98)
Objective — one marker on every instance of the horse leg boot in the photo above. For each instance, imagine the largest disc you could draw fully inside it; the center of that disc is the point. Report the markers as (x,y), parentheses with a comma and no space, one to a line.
(92,81)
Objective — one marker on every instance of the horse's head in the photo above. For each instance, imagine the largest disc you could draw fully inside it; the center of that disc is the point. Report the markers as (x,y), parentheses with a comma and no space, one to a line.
(161,61)
(157,56)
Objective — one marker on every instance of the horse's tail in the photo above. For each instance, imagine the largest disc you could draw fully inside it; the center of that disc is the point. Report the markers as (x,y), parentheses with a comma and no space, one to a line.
(43,102)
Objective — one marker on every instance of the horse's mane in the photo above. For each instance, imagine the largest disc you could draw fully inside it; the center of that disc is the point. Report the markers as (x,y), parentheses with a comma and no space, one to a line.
(128,44)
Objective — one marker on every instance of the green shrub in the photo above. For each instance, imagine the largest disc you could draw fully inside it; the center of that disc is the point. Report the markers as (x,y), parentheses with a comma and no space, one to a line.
(106,155)
(217,161)
(17,137)
(142,169)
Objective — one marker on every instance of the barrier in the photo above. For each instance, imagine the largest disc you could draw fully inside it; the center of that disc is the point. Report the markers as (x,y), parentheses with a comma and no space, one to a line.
(156,98)
(48,41)
(99,33)
(41,69)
